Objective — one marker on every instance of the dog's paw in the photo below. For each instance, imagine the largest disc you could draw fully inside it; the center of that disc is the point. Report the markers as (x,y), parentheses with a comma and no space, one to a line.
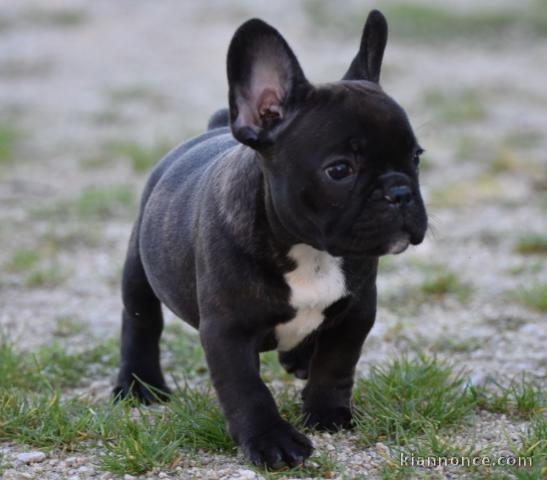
(146,393)
(281,446)
(330,419)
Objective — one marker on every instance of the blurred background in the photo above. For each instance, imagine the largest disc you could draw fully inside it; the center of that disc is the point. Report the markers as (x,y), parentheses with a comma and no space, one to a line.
(92,95)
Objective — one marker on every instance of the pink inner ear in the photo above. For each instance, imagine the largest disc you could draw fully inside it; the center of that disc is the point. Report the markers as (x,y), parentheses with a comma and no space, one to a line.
(269,105)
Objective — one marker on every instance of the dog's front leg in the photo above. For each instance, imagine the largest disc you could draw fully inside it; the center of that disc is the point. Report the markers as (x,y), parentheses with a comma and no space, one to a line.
(327,395)
(253,419)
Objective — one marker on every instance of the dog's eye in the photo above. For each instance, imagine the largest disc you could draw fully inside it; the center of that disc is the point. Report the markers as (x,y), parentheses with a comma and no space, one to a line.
(339,170)
(416,157)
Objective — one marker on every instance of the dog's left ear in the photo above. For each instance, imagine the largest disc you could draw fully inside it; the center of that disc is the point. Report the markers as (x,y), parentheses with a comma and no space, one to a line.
(266,82)
(368,62)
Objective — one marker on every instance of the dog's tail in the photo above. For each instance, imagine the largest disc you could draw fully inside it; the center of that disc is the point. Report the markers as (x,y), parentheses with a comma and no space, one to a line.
(221,118)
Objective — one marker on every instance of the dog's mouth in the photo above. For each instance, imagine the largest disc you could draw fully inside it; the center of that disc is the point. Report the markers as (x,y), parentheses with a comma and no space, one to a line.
(380,237)
(399,244)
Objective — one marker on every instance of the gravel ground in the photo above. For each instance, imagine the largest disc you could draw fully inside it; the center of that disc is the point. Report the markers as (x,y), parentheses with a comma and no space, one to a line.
(76,76)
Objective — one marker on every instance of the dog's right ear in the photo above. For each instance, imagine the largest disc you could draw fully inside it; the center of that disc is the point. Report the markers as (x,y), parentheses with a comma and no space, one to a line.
(368,62)
(266,82)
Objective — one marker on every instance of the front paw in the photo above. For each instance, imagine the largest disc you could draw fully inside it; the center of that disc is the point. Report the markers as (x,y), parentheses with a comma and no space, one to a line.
(330,419)
(280,446)
(146,392)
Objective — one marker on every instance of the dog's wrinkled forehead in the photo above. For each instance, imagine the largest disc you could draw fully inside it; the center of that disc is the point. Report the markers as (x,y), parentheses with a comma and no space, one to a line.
(355,110)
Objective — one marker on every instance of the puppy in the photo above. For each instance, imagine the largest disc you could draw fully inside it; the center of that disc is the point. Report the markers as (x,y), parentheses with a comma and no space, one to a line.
(264,233)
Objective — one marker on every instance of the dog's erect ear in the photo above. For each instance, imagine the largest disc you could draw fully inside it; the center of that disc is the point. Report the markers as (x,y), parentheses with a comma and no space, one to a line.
(368,62)
(265,80)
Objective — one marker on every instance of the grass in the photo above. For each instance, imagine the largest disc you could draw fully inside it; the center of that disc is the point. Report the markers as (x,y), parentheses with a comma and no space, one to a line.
(523,398)
(49,276)
(93,204)
(9,136)
(533,296)
(408,397)
(44,421)
(23,259)
(319,465)
(427,22)
(136,443)
(136,93)
(532,244)
(532,444)
(474,191)
(434,22)
(54,17)
(440,284)
(104,202)
(456,107)
(409,402)
(66,327)
(52,367)
(141,157)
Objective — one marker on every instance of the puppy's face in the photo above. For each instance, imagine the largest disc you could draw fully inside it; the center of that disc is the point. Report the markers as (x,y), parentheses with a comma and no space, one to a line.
(344,176)
(340,160)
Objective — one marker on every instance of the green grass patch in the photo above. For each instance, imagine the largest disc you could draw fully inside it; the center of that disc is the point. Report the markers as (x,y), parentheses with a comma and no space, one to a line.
(533,296)
(184,352)
(532,445)
(319,465)
(408,397)
(421,22)
(104,202)
(532,245)
(136,93)
(93,204)
(141,157)
(456,107)
(50,276)
(51,367)
(44,421)
(66,327)
(139,441)
(54,17)
(23,259)
(481,189)
(427,22)
(9,136)
(521,398)
(440,284)
(453,345)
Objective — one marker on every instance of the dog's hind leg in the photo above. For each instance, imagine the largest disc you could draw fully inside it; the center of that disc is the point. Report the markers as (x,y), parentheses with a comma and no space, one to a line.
(221,118)
(142,324)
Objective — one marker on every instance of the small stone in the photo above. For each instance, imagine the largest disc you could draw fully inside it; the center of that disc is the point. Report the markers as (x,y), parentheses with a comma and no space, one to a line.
(31,457)
(245,474)
(163,475)
(330,447)
(74,461)
(128,477)
(382,449)
(15,475)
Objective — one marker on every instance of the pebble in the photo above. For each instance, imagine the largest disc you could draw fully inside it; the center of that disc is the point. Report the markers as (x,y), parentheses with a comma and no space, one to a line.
(31,457)
(245,474)
(15,475)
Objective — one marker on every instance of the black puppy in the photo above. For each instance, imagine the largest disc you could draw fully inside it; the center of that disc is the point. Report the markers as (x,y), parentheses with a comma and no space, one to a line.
(266,234)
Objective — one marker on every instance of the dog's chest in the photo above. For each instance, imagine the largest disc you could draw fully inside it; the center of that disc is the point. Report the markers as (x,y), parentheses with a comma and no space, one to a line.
(317,282)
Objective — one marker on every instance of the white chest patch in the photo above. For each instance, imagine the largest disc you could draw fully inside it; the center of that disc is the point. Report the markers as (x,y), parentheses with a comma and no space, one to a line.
(317,282)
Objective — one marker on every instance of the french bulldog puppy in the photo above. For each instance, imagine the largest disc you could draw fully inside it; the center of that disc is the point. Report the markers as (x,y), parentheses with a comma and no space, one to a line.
(264,233)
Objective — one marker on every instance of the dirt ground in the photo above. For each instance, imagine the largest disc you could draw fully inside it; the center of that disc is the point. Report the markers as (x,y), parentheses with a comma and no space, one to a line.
(92,92)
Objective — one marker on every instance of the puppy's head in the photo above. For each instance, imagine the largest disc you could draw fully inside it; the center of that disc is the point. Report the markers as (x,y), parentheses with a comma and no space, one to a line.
(340,160)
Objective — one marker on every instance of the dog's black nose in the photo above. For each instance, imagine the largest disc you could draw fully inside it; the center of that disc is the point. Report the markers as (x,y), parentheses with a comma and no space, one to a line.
(399,194)
(396,188)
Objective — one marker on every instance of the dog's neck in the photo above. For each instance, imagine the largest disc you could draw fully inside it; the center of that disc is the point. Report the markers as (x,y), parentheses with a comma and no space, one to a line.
(246,205)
